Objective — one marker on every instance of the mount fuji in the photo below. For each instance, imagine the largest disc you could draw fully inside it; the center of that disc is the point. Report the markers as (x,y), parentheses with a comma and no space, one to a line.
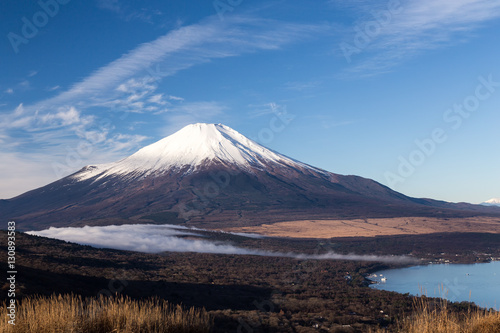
(210,175)
(492,202)
(191,149)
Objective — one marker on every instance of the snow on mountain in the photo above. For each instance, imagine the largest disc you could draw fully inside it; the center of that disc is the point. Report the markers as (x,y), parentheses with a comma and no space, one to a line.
(492,202)
(192,146)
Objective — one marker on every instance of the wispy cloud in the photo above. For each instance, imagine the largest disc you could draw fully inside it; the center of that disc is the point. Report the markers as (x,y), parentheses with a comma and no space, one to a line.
(301,86)
(119,142)
(53,88)
(112,5)
(142,238)
(417,26)
(210,108)
(60,118)
(177,50)
(126,13)
(25,84)
(266,109)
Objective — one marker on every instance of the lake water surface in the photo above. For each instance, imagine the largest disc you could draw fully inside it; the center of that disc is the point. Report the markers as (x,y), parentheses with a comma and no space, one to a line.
(480,281)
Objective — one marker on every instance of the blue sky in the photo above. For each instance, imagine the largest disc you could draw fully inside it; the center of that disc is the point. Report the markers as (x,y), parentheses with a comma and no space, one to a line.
(403,92)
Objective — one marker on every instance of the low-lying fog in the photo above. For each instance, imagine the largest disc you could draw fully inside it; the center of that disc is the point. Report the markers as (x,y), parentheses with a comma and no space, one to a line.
(170,238)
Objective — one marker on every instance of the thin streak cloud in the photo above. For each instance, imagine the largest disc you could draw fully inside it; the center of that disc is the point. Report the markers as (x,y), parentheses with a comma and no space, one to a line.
(418,26)
(183,48)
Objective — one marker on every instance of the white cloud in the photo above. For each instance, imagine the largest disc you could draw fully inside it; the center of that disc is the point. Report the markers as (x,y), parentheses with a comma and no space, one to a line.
(175,98)
(141,238)
(112,5)
(163,238)
(133,85)
(62,117)
(157,99)
(9,91)
(53,88)
(245,234)
(419,26)
(17,119)
(126,12)
(124,142)
(360,257)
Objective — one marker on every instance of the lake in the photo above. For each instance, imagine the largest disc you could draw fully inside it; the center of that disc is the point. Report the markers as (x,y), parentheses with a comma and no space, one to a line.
(478,283)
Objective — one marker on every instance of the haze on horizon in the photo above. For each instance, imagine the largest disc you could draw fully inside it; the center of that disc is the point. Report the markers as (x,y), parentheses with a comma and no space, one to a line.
(405,93)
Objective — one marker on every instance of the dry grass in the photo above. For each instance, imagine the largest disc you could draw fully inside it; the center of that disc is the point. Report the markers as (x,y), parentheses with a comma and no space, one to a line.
(438,319)
(372,227)
(71,313)
(431,317)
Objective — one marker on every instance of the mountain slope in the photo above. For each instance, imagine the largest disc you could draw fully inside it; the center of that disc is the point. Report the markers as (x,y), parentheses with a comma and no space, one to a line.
(210,175)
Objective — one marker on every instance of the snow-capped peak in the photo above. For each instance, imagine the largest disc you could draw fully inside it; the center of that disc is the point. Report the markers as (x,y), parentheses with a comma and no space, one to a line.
(492,202)
(191,146)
